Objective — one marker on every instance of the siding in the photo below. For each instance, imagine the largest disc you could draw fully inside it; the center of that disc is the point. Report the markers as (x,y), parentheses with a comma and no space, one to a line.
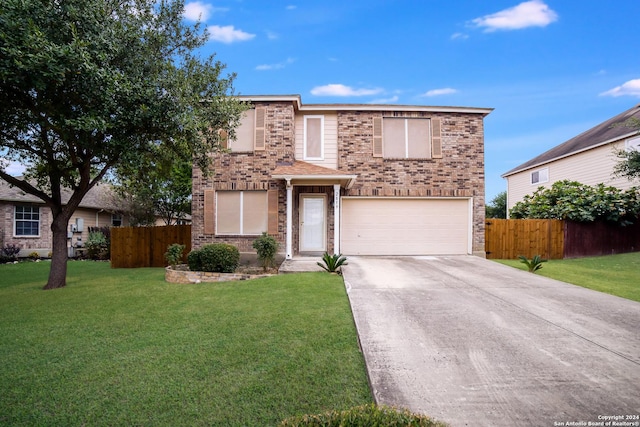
(330,139)
(590,167)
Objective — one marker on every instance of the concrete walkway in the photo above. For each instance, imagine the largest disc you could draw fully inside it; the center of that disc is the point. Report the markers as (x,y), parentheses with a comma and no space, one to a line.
(472,342)
(300,265)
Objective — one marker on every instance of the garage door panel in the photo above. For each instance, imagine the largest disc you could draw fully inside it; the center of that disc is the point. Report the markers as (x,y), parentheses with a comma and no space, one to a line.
(404,226)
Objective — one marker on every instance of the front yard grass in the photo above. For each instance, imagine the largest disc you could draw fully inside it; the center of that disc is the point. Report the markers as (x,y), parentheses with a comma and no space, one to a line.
(614,274)
(122,347)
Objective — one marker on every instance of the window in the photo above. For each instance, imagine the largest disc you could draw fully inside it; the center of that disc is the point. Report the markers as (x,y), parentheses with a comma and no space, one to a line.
(632,144)
(116,220)
(249,133)
(540,176)
(406,138)
(313,137)
(27,221)
(241,212)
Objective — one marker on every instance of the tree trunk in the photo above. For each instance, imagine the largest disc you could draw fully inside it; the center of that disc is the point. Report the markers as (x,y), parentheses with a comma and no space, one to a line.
(58,272)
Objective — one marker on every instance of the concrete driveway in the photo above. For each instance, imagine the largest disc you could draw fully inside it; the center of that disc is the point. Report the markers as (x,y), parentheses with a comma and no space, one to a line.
(472,342)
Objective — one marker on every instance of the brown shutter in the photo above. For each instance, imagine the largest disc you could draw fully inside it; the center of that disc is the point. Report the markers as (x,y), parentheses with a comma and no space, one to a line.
(377,137)
(260,130)
(436,139)
(272,209)
(209,209)
(224,138)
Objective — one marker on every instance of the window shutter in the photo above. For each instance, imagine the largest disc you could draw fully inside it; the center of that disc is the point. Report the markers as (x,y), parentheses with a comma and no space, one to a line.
(436,139)
(209,220)
(259,143)
(377,137)
(272,209)
(224,138)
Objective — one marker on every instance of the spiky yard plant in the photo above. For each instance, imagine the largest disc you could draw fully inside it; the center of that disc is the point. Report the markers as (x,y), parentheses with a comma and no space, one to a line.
(534,264)
(333,263)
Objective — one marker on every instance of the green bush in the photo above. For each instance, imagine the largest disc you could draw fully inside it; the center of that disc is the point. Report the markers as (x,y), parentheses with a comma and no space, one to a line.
(533,265)
(216,257)
(97,245)
(174,254)
(333,263)
(266,246)
(363,416)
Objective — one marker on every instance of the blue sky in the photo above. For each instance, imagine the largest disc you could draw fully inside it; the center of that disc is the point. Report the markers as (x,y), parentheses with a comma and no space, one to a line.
(551,69)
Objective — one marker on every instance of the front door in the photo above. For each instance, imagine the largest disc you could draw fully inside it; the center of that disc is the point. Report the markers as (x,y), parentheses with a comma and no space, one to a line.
(313,235)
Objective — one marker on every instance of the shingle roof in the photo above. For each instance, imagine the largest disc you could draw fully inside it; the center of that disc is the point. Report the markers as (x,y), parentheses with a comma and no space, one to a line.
(99,197)
(303,168)
(603,133)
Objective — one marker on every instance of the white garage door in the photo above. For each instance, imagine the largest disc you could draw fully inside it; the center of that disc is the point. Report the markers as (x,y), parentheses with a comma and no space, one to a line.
(375,226)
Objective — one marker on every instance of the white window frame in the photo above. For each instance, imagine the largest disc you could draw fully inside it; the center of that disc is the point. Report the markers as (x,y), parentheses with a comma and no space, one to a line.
(15,221)
(306,157)
(241,213)
(632,144)
(542,174)
(428,142)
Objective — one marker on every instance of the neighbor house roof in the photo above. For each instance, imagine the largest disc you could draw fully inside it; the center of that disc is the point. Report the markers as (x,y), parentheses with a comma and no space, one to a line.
(602,134)
(101,196)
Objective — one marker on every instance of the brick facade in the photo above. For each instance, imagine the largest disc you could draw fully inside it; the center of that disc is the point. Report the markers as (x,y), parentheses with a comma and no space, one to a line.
(459,173)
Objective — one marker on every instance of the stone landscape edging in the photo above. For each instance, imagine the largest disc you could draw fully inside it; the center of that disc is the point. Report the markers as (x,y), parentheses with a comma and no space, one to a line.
(188,277)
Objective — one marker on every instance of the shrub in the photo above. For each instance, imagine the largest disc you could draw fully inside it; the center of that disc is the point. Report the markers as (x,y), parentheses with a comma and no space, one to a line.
(363,416)
(333,263)
(266,246)
(174,254)
(34,255)
(97,245)
(216,257)
(10,251)
(534,264)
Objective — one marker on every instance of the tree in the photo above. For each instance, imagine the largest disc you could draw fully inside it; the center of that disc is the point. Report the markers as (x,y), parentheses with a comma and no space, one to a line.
(497,208)
(580,202)
(629,165)
(87,85)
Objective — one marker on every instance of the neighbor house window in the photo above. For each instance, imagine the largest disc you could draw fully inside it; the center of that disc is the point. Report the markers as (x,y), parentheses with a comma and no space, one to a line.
(250,133)
(540,176)
(406,138)
(632,144)
(313,137)
(241,212)
(27,221)
(116,220)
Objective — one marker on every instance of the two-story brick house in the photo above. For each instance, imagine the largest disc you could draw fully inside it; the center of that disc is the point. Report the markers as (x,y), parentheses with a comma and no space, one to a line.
(353,179)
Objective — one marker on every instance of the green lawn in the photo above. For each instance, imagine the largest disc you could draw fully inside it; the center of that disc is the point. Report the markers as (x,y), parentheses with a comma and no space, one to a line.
(614,274)
(122,347)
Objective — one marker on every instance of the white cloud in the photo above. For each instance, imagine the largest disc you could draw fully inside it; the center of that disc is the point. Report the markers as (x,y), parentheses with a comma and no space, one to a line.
(291,7)
(197,10)
(279,65)
(630,88)
(438,92)
(228,34)
(342,90)
(272,36)
(534,13)
(385,100)
(459,36)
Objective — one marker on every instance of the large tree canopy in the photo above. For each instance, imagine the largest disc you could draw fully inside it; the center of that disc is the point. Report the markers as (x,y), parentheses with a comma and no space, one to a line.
(87,85)
(497,208)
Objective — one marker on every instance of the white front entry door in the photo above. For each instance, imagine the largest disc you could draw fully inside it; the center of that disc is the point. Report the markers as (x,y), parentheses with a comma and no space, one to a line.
(313,224)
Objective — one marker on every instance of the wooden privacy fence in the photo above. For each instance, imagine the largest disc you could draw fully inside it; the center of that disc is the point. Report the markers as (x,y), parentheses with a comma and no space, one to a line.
(557,239)
(510,238)
(133,247)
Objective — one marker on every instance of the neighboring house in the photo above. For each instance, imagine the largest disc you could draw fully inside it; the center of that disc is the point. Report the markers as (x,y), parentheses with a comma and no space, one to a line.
(25,220)
(588,158)
(351,179)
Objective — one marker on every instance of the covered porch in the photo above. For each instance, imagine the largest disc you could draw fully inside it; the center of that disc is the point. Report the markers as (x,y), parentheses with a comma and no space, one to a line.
(313,195)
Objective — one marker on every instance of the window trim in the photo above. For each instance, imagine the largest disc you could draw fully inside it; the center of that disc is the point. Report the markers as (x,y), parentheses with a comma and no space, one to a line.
(304,153)
(15,222)
(429,142)
(541,180)
(241,213)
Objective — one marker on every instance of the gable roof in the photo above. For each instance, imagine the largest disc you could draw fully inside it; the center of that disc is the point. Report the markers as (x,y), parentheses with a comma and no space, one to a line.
(604,133)
(302,171)
(100,196)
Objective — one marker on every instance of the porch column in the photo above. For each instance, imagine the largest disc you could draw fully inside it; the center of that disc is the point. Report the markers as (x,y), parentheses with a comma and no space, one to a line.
(289,243)
(336,219)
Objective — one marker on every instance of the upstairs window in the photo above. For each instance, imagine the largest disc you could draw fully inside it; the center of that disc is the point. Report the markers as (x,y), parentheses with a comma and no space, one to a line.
(540,176)
(27,221)
(407,138)
(313,137)
(250,133)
